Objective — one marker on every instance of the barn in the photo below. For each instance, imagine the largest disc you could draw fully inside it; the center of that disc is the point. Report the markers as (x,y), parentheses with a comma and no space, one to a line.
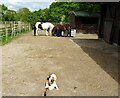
(84,21)
(109,26)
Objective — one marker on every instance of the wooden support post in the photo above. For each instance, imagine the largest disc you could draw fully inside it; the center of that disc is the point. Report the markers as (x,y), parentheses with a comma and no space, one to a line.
(11,29)
(12,32)
(6,33)
(14,29)
(29,26)
(20,25)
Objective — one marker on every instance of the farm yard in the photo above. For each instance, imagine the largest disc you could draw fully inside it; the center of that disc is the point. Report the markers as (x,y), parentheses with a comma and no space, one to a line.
(82,51)
(84,65)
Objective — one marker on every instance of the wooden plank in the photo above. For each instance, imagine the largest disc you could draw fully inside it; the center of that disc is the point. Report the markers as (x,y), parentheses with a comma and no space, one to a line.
(108,23)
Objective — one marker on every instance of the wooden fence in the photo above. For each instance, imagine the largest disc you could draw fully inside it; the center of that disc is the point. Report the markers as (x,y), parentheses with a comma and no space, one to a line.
(12,28)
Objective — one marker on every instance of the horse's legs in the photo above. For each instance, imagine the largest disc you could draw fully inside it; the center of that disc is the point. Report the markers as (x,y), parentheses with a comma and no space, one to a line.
(46,33)
(34,31)
(37,31)
(50,31)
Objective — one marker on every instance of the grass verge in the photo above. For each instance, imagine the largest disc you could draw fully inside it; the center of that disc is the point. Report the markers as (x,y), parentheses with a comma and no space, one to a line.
(4,41)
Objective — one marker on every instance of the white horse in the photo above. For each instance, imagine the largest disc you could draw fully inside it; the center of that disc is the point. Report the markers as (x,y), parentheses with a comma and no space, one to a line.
(43,26)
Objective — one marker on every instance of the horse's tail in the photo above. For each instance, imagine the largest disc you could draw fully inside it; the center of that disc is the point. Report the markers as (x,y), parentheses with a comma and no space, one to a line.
(34,30)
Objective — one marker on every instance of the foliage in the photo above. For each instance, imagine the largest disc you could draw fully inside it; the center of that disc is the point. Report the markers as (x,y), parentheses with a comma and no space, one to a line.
(3,40)
(10,15)
(63,18)
(59,9)
(23,14)
(3,9)
(57,12)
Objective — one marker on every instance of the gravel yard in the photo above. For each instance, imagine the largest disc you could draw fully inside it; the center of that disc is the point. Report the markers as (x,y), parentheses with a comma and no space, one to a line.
(84,66)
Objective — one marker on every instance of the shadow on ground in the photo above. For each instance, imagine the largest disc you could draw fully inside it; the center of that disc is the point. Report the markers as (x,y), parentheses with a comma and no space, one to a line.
(105,55)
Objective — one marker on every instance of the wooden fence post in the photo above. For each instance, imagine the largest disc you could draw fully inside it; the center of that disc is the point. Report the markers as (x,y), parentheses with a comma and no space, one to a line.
(25,26)
(6,34)
(6,31)
(0,31)
(20,26)
(11,29)
(29,26)
(17,27)
(14,29)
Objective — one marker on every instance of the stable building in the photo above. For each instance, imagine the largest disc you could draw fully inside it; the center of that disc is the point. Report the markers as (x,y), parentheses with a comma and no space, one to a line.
(84,21)
(109,26)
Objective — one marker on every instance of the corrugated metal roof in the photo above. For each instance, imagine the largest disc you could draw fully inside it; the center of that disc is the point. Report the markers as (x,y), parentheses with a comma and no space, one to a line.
(85,14)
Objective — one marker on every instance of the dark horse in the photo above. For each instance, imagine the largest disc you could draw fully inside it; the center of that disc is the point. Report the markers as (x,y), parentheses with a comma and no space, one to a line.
(62,30)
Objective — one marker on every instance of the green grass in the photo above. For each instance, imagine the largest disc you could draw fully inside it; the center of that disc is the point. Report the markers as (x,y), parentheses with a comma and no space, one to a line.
(3,40)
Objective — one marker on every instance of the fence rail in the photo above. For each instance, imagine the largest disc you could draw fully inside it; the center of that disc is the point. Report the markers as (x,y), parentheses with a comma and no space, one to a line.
(12,28)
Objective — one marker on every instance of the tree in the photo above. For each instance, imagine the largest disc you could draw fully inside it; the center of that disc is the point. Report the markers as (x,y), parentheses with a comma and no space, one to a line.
(57,12)
(3,9)
(23,14)
(9,16)
(59,9)
(87,6)
(45,15)
(63,18)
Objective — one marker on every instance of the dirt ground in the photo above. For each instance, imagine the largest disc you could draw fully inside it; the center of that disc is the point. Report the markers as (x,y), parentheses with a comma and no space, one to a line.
(84,65)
